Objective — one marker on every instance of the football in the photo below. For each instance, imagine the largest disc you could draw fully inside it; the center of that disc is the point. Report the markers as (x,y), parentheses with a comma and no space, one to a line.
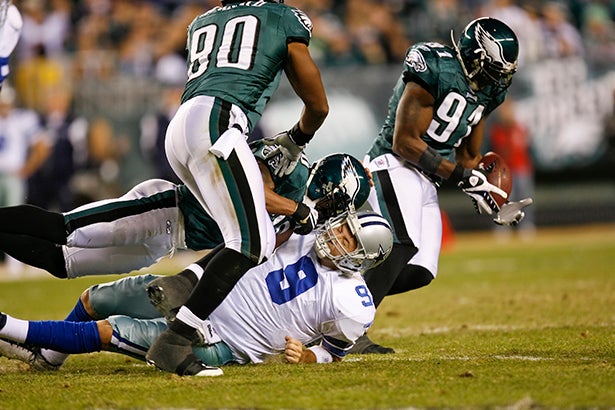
(498,174)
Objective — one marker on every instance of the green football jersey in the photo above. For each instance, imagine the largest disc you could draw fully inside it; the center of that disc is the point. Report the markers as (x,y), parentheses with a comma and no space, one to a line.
(238,52)
(202,232)
(457,107)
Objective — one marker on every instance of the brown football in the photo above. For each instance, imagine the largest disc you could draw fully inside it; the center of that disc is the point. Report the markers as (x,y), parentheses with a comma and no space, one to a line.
(498,174)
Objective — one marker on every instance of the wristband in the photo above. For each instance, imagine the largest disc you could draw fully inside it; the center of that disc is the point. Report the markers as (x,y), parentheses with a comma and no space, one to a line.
(322,354)
(301,213)
(430,161)
(299,137)
(458,174)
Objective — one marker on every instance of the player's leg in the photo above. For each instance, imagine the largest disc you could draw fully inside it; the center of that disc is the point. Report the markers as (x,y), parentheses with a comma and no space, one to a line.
(148,212)
(169,293)
(69,337)
(407,199)
(125,296)
(398,196)
(35,252)
(133,337)
(117,260)
(30,220)
(423,267)
(231,191)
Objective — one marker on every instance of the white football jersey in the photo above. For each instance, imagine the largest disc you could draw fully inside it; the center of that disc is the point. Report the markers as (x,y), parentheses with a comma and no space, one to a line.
(299,298)
(18,132)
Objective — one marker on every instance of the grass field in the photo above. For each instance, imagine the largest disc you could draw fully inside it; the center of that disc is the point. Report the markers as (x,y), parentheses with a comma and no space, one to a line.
(521,324)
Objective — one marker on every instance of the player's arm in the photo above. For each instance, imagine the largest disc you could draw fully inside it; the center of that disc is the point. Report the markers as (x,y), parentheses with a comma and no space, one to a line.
(468,154)
(414,114)
(295,353)
(304,76)
(275,203)
(305,216)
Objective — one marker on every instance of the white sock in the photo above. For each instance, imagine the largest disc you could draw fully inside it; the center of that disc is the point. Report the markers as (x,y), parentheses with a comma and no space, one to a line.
(15,329)
(197,270)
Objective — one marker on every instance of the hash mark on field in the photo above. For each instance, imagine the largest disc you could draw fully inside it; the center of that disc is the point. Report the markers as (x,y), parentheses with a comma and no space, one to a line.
(397,357)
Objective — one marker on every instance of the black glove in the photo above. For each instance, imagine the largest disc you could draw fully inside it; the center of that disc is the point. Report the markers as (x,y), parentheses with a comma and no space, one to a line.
(306,219)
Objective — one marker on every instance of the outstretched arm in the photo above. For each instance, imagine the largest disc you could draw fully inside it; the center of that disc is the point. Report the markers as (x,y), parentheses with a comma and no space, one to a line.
(296,353)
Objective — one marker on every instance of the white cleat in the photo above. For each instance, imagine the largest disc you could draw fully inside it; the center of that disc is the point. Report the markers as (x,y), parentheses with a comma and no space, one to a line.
(16,351)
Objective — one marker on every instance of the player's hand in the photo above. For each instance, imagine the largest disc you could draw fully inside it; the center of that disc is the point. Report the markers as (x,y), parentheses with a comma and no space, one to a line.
(293,351)
(476,186)
(306,219)
(512,212)
(289,152)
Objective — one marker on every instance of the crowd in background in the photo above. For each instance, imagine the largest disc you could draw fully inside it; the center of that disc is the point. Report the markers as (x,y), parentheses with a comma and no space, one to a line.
(66,41)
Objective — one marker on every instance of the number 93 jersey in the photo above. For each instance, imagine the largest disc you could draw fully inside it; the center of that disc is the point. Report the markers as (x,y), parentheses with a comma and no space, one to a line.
(457,107)
(293,294)
(237,52)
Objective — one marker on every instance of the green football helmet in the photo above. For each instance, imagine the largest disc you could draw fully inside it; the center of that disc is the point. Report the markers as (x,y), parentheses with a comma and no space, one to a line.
(373,235)
(337,182)
(225,2)
(487,50)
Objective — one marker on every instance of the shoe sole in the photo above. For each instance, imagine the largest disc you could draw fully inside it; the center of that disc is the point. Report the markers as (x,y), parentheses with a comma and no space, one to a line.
(159,300)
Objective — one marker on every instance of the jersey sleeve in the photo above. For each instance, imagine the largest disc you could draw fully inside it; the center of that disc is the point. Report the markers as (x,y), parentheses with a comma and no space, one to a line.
(421,66)
(298,26)
(355,313)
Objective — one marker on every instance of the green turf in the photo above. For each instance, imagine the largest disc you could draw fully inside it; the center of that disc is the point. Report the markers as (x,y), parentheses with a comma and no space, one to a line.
(505,325)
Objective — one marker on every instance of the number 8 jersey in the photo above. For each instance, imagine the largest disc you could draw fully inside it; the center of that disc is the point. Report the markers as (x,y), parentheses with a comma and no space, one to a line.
(239,55)
(457,108)
(293,294)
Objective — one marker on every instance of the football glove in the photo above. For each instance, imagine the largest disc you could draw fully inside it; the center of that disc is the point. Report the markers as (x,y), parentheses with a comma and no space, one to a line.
(306,219)
(474,184)
(289,150)
(512,212)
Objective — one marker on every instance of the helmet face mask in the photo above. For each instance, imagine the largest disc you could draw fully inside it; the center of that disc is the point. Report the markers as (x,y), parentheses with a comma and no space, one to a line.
(374,241)
(487,51)
(225,2)
(337,182)
(4,7)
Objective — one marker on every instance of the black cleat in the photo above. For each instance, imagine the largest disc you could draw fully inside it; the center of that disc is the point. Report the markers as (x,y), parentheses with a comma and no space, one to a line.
(172,352)
(26,354)
(364,345)
(169,293)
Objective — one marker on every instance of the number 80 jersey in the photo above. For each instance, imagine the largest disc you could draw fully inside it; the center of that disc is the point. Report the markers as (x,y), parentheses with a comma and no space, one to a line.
(457,108)
(237,52)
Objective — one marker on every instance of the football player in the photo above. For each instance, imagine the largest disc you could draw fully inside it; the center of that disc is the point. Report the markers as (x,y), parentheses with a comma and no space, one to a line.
(269,312)
(10,29)
(236,56)
(434,132)
(157,217)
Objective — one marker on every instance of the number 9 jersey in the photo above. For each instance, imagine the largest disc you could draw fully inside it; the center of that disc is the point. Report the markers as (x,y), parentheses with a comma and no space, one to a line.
(295,296)
(249,41)
(457,108)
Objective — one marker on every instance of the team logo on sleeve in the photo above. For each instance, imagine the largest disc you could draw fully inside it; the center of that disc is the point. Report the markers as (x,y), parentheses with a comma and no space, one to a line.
(303,19)
(416,60)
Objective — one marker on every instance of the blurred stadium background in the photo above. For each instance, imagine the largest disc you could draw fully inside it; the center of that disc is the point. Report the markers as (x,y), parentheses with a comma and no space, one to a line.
(120,65)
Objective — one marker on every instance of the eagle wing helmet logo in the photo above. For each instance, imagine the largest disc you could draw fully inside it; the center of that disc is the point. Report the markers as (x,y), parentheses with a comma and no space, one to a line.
(492,47)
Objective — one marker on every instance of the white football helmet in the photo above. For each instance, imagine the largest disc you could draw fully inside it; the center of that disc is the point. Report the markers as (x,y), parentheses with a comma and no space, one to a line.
(374,241)
(4,7)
